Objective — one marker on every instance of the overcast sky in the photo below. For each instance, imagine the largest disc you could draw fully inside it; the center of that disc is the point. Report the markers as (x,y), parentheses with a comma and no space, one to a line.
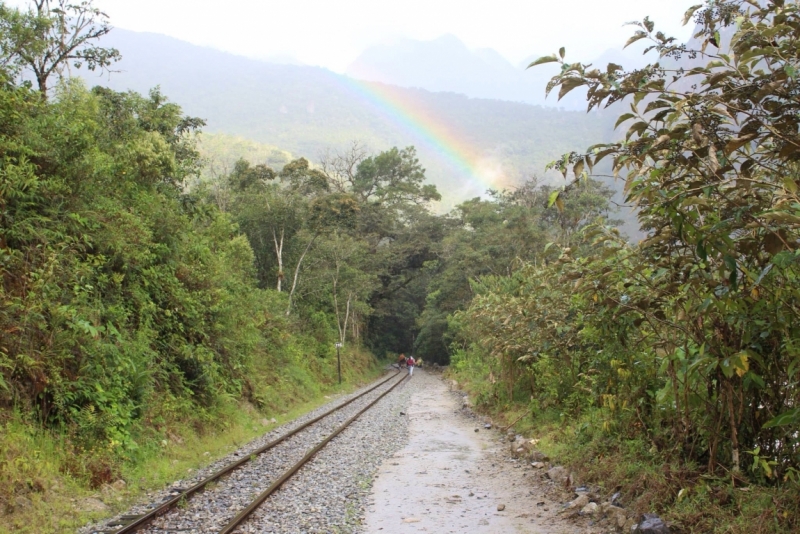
(331,33)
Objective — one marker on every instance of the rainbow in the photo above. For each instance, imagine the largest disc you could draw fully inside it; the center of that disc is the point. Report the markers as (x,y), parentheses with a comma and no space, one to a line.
(398,106)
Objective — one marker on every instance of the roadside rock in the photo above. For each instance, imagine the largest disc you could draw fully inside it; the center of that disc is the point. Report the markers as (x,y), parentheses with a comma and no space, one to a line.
(538,465)
(558,474)
(90,504)
(652,524)
(615,514)
(609,509)
(578,503)
(517,446)
(589,509)
(22,503)
(538,456)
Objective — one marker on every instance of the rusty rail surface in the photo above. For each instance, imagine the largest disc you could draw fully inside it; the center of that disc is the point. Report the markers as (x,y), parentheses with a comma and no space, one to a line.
(134,523)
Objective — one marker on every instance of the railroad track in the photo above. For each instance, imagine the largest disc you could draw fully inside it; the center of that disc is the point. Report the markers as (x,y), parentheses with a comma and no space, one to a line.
(248,472)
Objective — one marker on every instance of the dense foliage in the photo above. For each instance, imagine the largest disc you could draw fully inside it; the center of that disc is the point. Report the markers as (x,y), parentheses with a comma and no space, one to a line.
(688,340)
(128,301)
(134,291)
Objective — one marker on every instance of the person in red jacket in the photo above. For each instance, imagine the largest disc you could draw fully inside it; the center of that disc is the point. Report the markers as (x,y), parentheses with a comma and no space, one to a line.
(410,363)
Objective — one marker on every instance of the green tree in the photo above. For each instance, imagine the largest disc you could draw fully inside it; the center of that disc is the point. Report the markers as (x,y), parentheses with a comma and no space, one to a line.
(52,35)
(710,160)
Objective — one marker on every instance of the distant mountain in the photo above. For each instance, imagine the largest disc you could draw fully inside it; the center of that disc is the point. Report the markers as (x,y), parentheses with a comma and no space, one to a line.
(308,110)
(447,64)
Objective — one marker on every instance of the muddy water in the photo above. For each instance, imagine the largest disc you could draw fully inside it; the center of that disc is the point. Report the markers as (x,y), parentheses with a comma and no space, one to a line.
(452,479)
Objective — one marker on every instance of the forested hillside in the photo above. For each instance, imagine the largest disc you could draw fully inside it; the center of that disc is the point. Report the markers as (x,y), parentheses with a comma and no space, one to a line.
(309,111)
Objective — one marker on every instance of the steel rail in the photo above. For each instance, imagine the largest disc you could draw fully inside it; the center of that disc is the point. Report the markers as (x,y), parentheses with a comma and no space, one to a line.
(245,513)
(141,521)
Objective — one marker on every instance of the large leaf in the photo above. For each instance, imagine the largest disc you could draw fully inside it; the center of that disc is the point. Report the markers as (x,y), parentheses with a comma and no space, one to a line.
(636,36)
(790,418)
(690,12)
(552,198)
(568,84)
(542,60)
(622,118)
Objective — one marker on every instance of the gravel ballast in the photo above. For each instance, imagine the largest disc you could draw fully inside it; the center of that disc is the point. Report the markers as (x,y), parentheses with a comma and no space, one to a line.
(326,495)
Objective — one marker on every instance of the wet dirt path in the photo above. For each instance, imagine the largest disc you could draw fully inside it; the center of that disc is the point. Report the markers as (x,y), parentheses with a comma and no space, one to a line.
(451,479)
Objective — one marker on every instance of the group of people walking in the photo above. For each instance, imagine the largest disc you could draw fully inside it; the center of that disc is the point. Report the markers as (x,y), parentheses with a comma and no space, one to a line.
(407,362)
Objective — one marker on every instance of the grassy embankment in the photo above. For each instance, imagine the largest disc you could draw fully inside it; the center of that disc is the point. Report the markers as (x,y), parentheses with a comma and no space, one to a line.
(45,482)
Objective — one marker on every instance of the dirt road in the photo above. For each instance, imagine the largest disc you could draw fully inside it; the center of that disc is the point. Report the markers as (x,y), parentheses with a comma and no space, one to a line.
(451,479)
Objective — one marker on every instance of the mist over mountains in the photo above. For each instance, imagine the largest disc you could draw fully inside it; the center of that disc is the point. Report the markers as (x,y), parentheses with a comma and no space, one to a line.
(447,64)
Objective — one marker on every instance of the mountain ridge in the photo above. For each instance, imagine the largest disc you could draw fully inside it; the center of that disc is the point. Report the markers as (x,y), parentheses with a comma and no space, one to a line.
(310,110)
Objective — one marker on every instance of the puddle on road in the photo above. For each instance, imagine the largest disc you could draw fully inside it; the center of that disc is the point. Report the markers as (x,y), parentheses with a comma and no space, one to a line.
(451,479)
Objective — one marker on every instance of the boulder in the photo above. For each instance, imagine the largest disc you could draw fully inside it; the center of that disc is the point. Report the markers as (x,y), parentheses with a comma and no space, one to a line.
(652,524)
(589,509)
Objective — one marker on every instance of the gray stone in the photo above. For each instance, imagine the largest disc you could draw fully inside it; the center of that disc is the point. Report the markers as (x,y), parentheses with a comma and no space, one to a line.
(21,502)
(652,524)
(90,504)
(578,503)
(501,507)
(539,456)
(589,509)
(610,509)
(557,474)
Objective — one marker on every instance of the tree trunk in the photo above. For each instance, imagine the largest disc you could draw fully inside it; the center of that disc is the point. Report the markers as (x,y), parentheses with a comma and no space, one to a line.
(343,329)
(279,254)
(297,273)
